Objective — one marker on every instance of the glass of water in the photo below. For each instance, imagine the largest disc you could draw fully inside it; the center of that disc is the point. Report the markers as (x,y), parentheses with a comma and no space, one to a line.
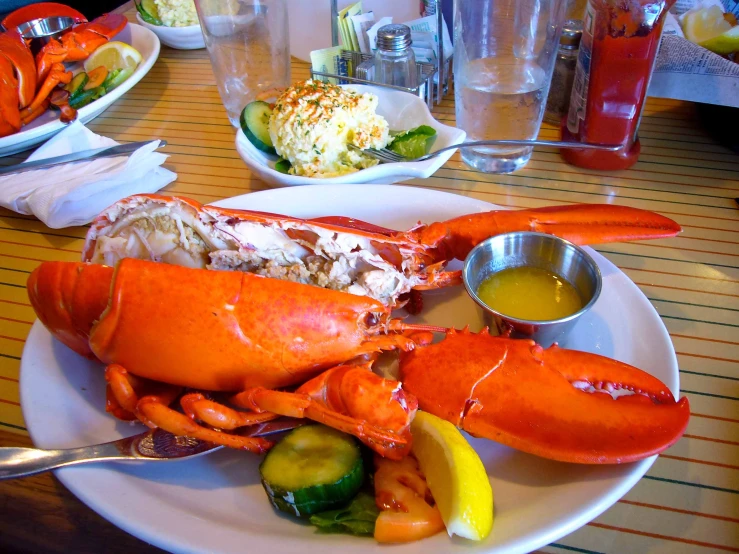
(504,54)
(249,49)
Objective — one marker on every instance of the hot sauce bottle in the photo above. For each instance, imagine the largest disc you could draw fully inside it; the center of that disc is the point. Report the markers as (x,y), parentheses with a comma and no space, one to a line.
(617,53)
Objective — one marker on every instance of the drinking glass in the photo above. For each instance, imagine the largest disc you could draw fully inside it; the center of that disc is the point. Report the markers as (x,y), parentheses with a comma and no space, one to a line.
(504,53)
(249,49)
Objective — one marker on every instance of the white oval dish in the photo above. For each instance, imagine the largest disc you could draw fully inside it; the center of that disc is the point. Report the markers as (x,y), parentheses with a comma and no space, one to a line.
(48,124)
(402,111)
(181,38)
(217,504)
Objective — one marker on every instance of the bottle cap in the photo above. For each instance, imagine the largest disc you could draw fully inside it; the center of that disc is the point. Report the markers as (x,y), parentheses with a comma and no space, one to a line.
(571,34)
(394,38)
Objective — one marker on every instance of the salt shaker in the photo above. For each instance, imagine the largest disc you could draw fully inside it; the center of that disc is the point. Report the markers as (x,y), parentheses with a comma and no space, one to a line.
(558,101)
(395,63)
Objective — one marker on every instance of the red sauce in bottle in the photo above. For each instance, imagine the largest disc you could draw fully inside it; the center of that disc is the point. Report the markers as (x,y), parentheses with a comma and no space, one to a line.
(617,54)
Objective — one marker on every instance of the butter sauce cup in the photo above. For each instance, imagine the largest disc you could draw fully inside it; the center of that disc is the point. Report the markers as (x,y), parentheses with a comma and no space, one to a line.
(539,250)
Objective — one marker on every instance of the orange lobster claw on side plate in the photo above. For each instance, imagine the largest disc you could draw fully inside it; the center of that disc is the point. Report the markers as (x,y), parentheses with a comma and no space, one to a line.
(553,403)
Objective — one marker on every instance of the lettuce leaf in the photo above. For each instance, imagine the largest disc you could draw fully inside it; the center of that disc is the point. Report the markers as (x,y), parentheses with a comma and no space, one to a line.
(358,518)
(413,143)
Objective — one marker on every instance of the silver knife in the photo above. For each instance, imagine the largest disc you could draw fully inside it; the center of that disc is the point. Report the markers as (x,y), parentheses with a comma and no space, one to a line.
(84,155)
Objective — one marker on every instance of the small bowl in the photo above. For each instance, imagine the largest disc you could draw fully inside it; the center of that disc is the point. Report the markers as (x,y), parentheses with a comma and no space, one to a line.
(181,38)
(534,250)
(41,31)
(402,111)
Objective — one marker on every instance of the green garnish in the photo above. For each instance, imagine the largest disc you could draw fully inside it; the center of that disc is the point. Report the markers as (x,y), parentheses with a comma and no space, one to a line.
(358,518)
(413,143)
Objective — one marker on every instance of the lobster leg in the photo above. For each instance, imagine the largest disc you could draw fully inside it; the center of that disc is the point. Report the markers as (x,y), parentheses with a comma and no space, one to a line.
(57,75)
(581,224)
(554,403)
(153,410)
(198,407)
(156,414)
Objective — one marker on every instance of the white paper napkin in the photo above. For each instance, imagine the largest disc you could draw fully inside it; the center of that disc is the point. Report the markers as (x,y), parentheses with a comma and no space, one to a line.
(74,194)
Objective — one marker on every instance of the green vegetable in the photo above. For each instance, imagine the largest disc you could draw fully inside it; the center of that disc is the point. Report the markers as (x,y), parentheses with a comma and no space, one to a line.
(283,166)
(358,518)
(149,16)
(313,469)
(77,84)
(255,124)
(413,143)
(85,97)
(115,78)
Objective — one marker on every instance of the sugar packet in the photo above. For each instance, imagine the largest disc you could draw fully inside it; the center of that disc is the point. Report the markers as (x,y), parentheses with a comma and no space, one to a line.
(329,60)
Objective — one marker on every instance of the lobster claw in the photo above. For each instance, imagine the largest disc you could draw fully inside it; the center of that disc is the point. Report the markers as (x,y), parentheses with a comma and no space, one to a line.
(554,403)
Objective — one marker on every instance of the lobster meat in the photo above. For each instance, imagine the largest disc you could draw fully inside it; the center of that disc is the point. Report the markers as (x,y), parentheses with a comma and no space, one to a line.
(170,326)
(338,252)
(26,85)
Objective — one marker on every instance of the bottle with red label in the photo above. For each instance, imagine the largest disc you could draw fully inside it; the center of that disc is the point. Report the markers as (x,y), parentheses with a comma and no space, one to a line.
(617,53)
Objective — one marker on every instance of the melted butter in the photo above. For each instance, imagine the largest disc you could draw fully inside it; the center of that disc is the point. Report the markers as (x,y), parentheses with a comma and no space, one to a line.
(529,293)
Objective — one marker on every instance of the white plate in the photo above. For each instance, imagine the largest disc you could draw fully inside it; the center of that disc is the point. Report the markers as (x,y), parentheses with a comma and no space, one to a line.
(402,111)
(216,503)
(48,124)
(182,38)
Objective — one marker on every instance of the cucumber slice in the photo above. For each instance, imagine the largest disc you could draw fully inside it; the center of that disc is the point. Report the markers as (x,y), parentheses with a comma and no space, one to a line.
(313,469)
(283,166)
(85,97)
(151,17)
(255,124)
(115,78)
(77,84)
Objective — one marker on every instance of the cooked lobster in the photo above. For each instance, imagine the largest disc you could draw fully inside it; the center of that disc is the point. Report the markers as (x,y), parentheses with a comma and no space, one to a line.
(26,85)
(162,327)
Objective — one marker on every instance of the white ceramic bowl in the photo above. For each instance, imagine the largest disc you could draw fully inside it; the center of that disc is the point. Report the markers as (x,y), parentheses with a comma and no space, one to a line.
(402,111)
(182,38)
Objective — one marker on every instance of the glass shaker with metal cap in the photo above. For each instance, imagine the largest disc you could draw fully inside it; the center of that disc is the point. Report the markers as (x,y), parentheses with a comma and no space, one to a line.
(395,63)
(558,101)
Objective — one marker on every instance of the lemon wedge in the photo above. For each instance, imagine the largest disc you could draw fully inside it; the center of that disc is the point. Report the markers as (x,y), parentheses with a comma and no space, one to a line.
(708,28)
(114,55)
(455,475)
(725,43)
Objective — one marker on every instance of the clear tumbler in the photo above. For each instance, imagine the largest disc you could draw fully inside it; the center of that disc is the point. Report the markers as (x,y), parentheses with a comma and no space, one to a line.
(249,49)
(504,53)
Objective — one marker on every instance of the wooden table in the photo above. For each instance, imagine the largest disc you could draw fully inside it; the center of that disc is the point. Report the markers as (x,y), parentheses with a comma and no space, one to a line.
(689,500)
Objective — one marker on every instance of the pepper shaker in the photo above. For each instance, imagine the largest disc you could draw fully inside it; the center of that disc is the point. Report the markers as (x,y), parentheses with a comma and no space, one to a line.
(558,101)
(395,62)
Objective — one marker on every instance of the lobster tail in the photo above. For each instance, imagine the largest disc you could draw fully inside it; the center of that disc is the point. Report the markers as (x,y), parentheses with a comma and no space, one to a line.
(68,298)
(581,224)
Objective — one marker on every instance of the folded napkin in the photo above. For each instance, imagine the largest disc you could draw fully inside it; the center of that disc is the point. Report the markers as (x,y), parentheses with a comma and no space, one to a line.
(73,194)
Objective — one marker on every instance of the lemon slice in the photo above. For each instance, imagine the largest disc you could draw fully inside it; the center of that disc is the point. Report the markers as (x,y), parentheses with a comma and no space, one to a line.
(114,55)
(725,43)
(455,475)
(705,24)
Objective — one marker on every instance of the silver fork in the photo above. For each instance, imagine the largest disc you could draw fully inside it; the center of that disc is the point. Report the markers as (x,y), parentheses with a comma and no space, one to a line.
(388,156)
(152,445)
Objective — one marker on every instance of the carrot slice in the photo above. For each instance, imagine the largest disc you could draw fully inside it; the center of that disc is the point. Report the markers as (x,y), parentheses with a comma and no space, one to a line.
(96,77)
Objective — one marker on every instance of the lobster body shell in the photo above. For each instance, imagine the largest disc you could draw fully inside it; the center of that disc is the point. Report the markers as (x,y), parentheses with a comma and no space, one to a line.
(227,331)
(535,400)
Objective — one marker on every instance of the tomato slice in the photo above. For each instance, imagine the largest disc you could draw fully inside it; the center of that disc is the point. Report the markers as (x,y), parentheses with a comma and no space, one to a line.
(408,509)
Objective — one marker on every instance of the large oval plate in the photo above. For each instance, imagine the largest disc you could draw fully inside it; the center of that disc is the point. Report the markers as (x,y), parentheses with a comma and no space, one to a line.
(216,503)
(48,124)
